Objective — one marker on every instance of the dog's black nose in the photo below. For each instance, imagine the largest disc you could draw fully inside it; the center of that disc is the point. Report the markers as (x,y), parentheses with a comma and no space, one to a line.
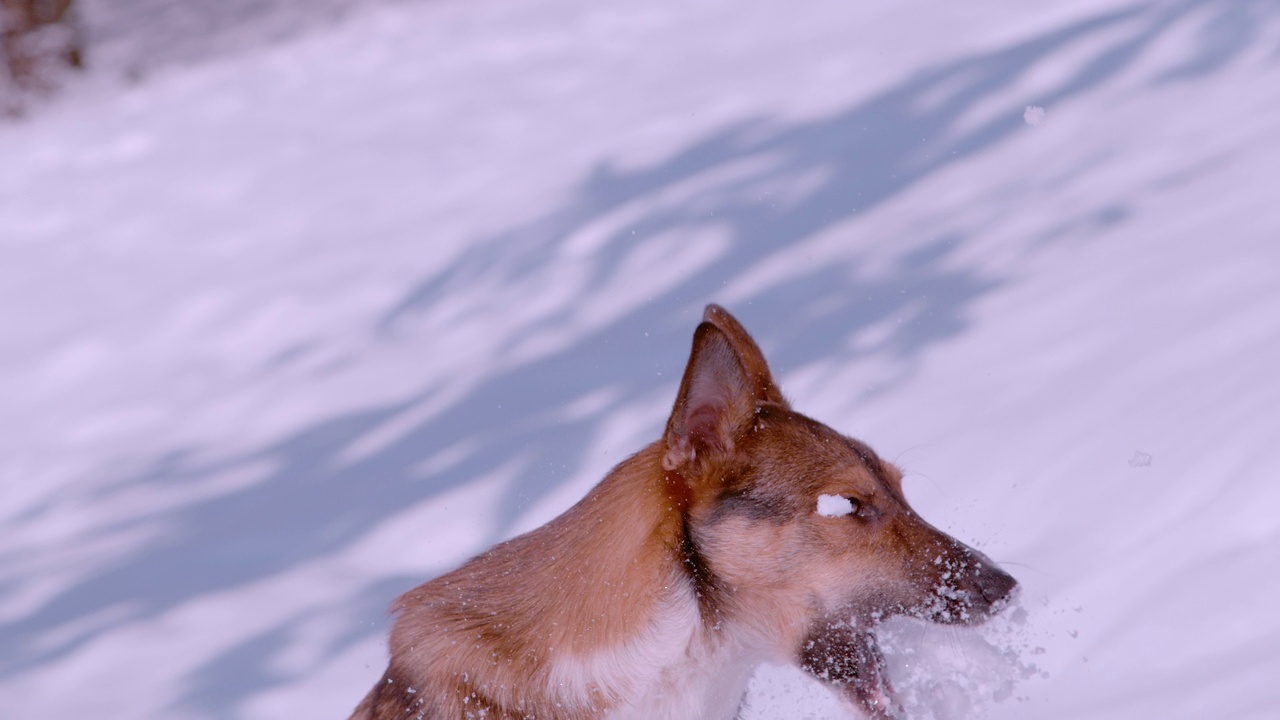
(994,585)
(987,588)
(965,586)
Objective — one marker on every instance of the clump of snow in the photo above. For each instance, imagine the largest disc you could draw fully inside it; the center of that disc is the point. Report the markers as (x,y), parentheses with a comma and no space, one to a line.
(947,602)
(945,672)
(834,505)
(786,691)
(938,672)
(1033,115)
(1140,459)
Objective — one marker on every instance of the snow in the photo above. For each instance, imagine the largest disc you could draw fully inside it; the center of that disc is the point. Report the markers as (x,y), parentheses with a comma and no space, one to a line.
(313,312)
(834,506)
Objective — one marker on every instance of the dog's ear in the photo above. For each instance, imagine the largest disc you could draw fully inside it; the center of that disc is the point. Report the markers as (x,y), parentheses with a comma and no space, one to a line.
(726,379)
(757,370)
(715,398)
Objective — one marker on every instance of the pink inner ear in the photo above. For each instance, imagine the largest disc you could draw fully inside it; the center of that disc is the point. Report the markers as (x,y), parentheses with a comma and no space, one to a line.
(714,396)
(706,428)
(716,388)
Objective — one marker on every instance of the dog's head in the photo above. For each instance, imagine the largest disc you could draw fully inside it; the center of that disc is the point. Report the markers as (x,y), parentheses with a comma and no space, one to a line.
(793,524)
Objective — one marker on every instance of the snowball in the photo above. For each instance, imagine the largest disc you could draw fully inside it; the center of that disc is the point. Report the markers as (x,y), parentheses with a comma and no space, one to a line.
(1033,115)
(834,505)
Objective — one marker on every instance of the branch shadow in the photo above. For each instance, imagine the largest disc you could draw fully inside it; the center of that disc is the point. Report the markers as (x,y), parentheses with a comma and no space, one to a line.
(314,502)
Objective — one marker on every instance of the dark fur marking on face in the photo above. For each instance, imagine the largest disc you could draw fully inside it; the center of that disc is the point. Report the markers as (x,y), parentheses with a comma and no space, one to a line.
(740,502)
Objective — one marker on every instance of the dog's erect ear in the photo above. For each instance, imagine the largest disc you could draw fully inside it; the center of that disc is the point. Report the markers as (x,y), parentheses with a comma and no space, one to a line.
(765,389)
(715,399)
(726,379)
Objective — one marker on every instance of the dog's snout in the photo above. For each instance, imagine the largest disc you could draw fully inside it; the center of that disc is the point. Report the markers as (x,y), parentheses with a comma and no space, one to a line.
(967,586)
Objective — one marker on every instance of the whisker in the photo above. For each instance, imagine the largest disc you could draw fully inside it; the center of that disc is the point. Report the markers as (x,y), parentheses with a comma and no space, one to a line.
(907,473)
(953,639)
(1032,568)
(897,458)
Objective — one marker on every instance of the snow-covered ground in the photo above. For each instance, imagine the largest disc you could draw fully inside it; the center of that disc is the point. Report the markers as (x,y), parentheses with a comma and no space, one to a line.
(292,323)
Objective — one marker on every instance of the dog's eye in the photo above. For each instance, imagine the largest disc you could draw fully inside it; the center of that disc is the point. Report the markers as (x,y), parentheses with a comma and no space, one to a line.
(837,505)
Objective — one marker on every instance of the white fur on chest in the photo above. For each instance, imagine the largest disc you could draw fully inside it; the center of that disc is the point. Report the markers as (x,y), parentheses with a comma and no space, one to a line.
(708,689)
(674,669)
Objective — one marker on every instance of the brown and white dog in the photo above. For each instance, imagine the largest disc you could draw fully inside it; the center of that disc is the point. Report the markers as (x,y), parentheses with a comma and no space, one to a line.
(748,533)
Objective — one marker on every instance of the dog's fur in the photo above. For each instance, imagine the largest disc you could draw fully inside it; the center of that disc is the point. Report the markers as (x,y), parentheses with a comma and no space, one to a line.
(700,556)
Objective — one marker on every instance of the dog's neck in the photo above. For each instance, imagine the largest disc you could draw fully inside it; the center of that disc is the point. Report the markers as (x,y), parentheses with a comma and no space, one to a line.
(606,603)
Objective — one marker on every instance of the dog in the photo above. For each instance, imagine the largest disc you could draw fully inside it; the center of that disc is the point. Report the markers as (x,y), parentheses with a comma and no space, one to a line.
(748,533)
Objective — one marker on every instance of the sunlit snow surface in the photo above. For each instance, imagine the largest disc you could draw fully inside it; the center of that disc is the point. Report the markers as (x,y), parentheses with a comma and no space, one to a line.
(304,309)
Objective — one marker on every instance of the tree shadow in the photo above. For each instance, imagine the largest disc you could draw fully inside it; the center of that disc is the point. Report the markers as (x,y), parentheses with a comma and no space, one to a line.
(1234,27)
(766,185)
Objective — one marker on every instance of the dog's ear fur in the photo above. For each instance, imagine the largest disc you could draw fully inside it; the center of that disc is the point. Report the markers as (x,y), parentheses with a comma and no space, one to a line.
(753,363)
(724,382)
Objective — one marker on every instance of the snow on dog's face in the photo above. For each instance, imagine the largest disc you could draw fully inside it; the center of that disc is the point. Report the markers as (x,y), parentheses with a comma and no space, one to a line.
(835,506)
(796,525)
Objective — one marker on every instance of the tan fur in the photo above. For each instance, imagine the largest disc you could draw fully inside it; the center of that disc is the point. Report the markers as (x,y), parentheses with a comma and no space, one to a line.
(555,595)
(691,561)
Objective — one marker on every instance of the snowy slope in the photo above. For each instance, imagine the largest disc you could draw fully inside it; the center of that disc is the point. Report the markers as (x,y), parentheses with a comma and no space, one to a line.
(297,324)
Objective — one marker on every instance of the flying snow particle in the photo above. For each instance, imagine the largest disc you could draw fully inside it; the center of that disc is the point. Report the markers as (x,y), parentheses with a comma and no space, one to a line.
(1139,459)
(1033,115)
(834,505)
